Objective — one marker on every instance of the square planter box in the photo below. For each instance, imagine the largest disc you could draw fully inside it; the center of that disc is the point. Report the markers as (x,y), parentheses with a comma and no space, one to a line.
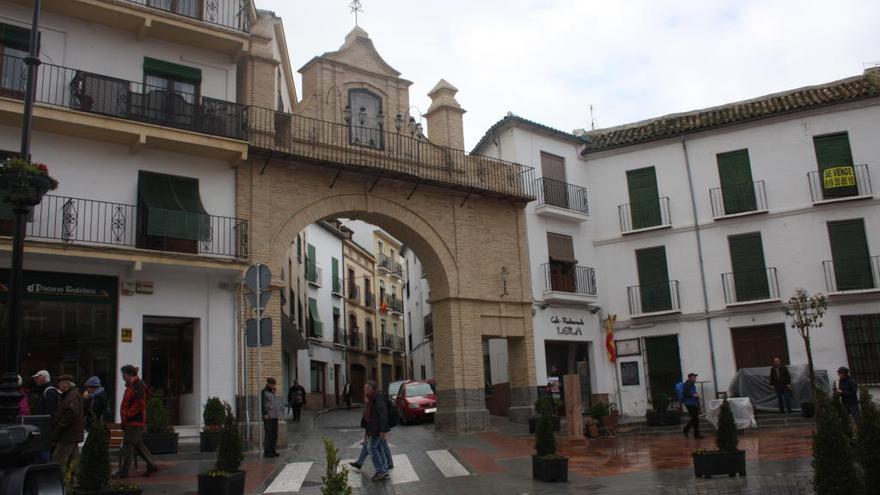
(137,491)
(533,424)
(208,441)
(667,418)
(161,443)
(713,463)
(550,470)
(222,485)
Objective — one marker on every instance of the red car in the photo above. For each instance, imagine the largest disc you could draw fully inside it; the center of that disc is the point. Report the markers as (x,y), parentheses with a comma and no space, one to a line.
(416,401)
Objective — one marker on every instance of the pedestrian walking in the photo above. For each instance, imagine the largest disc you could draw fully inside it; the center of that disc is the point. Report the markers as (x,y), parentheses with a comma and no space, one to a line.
(375,423)
(691,400)
(68,422)
(780,380)
(133,413)
(24,406)
(848,391)
(346,394)
(96,402)
(296,397)
(46,400)
(271,408)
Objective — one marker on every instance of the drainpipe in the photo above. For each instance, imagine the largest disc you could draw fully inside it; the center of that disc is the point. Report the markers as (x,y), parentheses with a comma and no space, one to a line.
(687,163)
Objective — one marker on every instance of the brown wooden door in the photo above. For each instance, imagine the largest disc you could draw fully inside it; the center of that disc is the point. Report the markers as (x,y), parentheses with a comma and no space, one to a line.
(553,172)
(755,347)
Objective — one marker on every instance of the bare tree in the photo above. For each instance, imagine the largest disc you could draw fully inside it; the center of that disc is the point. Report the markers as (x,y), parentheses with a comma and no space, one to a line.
(806,312)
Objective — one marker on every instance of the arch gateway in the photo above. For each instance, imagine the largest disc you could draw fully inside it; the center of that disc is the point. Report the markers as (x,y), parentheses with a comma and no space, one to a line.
(351,148)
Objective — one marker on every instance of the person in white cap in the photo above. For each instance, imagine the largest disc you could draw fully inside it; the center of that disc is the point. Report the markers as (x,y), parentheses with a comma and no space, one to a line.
(48,397)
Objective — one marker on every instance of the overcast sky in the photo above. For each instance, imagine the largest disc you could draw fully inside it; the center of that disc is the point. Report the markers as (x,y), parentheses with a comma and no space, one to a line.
(548,60)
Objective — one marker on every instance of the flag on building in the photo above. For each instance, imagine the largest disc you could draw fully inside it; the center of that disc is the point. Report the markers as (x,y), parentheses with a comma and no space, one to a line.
(609,338)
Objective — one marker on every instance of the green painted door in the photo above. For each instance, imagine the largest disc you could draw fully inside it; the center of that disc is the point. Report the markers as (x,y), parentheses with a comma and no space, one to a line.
(664,364)
(749,269)
(643,198)
(737,186)
(836,172)
(654,288)
(849,252)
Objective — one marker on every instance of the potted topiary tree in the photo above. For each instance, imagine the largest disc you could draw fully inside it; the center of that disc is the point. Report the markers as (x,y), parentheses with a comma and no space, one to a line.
(214,417)
(93,470)
(868,440)
(834,463)
(728,459)
(548,404)
(160,437)
(336,480)
(546,464)
(598,419)
(226,478)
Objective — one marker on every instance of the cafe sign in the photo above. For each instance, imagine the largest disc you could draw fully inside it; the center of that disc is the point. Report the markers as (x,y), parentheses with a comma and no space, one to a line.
(567,326)
(63,287)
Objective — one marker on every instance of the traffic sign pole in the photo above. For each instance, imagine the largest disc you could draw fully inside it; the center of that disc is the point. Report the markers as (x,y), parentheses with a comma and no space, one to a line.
(259,290)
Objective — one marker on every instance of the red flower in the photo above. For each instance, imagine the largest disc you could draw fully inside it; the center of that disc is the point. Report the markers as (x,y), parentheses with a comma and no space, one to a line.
(43,168)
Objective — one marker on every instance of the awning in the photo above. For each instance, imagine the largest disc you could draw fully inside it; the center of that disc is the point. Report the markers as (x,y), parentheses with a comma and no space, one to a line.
(313,310)
(15,37)
(291,335)
(172,207)
(169,70)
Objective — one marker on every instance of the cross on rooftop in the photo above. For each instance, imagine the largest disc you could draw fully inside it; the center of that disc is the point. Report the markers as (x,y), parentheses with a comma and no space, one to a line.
(355,7)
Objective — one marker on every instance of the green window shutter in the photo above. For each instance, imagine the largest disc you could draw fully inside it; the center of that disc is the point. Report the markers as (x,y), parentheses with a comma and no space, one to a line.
(849,252)
(737,188)
(337,284)
(315,318)
(172,207)
(834,156)
(653,279)
(664,364)
(311,264)
(749,269)
(643,197)
(170,70)
(15,37)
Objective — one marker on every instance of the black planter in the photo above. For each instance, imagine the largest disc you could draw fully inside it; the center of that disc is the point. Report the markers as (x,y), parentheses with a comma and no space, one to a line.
(161,443)
(713,463)
(808,410)
(671,418)
(666,418)
(208,441)
(533,424)
(25,190)
(232,484)
(136,491)
(550,469)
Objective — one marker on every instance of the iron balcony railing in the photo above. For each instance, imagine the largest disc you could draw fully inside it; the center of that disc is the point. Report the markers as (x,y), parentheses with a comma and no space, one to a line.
(110,96)
(387,341)
(388,264)
(354,293)
(562,194)
(338,336)
(314,273)
(388,154)
(754,285)
(852,274)
(369,300)
(337,285)
(842,182)
(86,221)
(355,339)
(314,329)
(371,343)
(399,344)
(653,298)
(738,199)
(429,324)
(393,303)
(574,279)
(641,215)
(232,14)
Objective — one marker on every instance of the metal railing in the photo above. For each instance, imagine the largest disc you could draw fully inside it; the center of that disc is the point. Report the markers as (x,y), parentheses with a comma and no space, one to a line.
(579,280)
(110,96)
(338,336)
(738,198)
(369,299)
(388,154)
(389,264)
(355,339)
(371,343)
(399,344)
(653,298)
(336,283)
(840,182)
(561,194)
(429,324)
(354,293)
(314,273)
(232,14)
(754,285)
(86,221)
(644,215)
(852,274)
(387,341)
(314,329)
(393,303)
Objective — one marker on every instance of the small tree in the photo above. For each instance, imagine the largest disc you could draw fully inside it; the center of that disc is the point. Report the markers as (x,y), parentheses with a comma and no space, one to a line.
(806,312)
(834,467)
(545,440)
(157,416)
(336,480)
(727,437)
(93,473)
(214,414)
(868,441)
(229,452)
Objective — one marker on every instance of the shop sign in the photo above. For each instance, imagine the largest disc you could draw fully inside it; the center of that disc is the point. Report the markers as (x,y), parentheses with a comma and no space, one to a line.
(144,287)
(567,326)
(125,335)
(63,287)
(128,287)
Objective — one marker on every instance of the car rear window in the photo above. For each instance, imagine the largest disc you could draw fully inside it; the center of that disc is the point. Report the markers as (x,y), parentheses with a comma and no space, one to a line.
(394,388)
(418,389)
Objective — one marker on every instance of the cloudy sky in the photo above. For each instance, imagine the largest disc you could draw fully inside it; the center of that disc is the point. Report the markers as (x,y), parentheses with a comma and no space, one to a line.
(548,60)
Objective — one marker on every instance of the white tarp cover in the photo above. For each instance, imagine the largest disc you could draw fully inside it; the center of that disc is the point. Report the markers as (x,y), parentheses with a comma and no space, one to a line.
(743,412)
(754,383)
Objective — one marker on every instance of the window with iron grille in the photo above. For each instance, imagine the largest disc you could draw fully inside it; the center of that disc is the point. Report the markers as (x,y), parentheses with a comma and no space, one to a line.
(861,333)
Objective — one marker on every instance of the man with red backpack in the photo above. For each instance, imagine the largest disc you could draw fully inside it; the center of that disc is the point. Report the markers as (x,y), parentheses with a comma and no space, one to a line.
(133,414)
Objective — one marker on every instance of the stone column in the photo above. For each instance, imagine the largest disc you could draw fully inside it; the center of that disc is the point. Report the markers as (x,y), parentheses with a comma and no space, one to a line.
(520,368)
(445,123)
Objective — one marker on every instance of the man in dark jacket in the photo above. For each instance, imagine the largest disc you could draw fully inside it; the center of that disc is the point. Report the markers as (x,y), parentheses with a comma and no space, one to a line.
(133,413)
(47,396)
(848,391)
(296,397)
(375,422)
(69,423)
(271,407)
(780,380)
(95,401)
(692,403)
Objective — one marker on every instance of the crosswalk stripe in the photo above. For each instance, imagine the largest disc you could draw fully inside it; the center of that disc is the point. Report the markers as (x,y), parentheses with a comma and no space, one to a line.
(354,476)
(291,478)
(447,463)
(403,471)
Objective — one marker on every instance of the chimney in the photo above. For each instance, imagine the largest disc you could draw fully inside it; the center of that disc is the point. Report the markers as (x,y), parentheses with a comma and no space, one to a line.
(873,74)
(445,125)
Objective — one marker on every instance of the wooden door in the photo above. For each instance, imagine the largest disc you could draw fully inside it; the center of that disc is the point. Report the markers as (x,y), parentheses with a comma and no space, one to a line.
(755,347)
(663,364)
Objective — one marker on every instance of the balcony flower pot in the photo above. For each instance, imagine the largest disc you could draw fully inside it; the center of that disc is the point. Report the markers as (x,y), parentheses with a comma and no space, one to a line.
(550,468)
(24,183)
(209,440)
(222,483)
(533,422)
(162,443)
(712,463)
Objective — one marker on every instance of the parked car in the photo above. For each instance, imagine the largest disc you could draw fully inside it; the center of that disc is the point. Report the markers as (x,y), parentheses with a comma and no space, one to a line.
(416,402)
(394,388)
